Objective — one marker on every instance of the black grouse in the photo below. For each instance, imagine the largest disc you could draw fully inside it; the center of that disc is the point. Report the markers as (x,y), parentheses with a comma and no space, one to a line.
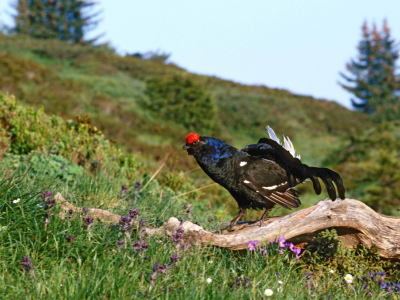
(260,175)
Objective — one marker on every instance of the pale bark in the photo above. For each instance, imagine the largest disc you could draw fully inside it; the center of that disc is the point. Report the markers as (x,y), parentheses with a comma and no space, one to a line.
(354,221)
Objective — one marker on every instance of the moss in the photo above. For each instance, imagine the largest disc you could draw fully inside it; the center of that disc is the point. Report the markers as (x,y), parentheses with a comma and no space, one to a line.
(326,253)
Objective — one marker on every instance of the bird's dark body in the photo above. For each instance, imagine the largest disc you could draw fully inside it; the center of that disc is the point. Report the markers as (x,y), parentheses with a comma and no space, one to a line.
(221,162)
(259,175)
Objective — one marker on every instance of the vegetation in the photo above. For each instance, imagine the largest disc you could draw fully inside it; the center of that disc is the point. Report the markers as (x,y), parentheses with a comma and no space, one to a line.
(182,99)
(370,165)
(55,19)
(377,86)
(46,257)
(91,125)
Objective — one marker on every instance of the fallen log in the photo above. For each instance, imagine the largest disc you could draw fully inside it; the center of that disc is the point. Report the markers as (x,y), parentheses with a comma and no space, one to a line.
(354,222)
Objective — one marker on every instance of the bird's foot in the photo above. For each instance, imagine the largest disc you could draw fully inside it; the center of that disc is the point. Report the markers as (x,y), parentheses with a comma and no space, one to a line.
(261,221)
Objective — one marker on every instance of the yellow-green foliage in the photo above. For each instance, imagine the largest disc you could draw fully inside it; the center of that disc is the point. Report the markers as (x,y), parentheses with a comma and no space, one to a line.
(182,99)
(25,130)
(370,166)
(327,253)
(37,85)
(70,80)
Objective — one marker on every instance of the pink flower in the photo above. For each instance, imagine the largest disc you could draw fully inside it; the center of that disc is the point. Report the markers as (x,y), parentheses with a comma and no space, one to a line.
(281,241)
(252,245)
(297,251)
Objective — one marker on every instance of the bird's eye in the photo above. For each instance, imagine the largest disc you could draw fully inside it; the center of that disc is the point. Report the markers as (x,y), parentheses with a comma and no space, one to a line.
(195,143)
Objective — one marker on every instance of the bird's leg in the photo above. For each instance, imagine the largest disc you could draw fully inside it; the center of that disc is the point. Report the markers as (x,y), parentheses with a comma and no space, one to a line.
(242,211)
(266,212)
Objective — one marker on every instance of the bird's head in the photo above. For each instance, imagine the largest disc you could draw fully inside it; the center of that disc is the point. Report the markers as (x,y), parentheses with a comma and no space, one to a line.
(194,143)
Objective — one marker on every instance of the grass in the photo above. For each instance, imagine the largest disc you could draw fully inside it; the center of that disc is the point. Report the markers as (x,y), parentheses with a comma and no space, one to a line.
(94,266)
(46,153)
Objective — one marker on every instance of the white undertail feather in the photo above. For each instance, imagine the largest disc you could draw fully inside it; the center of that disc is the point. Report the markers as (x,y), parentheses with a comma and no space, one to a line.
(287,143)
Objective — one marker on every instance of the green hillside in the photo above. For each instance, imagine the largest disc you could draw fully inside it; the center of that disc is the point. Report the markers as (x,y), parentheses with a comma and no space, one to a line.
(73,80)
(92,125)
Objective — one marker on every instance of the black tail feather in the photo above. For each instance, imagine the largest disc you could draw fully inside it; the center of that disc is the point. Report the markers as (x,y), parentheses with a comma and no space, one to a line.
(316,185)
(327,176)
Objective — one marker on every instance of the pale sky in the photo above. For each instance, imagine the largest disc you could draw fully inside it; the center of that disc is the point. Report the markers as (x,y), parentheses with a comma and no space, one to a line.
(298,45)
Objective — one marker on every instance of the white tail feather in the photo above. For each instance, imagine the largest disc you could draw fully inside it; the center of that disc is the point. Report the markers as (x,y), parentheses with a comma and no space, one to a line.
(272,135)
(287,143)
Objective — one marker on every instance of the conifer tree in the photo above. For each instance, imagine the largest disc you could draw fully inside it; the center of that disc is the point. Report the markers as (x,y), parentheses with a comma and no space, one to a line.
(55,19)
(375,83)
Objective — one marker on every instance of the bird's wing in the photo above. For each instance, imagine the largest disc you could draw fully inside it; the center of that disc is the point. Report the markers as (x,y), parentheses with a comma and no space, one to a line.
(271,150)
(296,171)
(268,179)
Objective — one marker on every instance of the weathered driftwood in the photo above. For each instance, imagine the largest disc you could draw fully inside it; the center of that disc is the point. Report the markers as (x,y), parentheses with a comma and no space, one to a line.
(354,221)
(96,213)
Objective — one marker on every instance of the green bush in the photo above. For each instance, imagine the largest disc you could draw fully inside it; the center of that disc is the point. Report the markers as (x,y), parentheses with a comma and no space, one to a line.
(26,130)
(370,166)
(327,253)
(182,99)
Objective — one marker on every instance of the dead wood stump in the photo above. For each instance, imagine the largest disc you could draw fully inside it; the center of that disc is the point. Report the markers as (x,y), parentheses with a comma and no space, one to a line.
(354,221)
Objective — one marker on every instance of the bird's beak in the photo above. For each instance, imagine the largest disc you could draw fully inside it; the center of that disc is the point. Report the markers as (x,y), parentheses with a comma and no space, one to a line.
(186,147)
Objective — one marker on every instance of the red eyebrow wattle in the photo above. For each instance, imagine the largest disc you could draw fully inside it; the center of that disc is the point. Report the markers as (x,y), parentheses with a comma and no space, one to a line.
(192,137)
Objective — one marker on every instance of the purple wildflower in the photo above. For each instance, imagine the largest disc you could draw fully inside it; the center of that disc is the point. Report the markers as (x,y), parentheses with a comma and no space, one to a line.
(142,223)
(174,258)
(70,239)
(241,281)
(138,184)
(296,251)
(133,213)
(125,223)
(85,210)
(178,236)
(139,245)
(28,265)
(263,251)
(124,190)
(289,245)
(88,221)
(46,195)
(121,242)
(282,250)
(281,241)
(157,269)
(70,212)
(252,245)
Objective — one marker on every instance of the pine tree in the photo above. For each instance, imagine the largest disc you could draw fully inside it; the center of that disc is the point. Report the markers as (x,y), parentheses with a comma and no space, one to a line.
(55,19)
(376,86)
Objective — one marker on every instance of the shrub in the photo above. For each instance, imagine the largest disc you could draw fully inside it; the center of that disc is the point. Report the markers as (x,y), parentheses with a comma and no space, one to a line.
(26,130)
(327,252)
(370,166)
(182,99)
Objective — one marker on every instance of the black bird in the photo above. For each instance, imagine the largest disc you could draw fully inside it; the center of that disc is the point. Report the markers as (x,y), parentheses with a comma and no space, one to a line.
(260,175)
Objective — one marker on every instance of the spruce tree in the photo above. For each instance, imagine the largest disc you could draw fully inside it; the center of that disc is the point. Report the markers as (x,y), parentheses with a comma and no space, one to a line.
(375,83)
(55,19)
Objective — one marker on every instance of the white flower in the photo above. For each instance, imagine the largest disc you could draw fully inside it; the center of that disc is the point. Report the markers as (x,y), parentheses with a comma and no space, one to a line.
(16,201)
(278,289)
(280,281)
(209,280)
(348,278)
(268,292)
(210,262)
(332,271)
